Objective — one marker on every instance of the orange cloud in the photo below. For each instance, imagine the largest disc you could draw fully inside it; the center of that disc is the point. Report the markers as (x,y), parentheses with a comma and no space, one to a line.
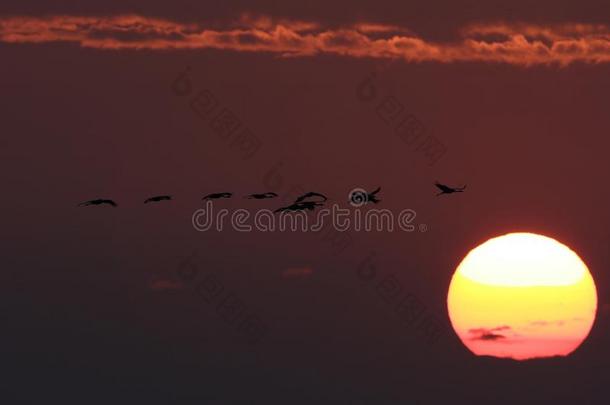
(516,44)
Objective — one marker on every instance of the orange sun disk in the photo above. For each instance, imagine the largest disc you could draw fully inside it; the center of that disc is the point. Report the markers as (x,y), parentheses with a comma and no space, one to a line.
(522,296)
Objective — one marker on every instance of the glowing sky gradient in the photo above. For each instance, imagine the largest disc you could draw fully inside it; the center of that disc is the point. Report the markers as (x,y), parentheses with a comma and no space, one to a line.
(96,305)
(522,296)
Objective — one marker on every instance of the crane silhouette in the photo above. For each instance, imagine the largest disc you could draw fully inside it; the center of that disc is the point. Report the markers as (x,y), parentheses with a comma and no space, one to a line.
(158,198)
(216,196)
(372,196)
(309,195)
(449,190)
(358,196)
(261,196)
(99,201)
(300,206)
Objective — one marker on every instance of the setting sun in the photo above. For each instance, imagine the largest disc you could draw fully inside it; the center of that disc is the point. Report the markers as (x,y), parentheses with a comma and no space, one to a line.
(522,296)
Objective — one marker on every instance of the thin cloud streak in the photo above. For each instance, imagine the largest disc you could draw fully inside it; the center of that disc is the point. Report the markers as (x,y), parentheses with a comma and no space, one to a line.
(489,334)
(515,44)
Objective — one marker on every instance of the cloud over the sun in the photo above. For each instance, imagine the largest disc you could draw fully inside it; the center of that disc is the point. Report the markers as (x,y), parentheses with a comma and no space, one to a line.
(489,334)
(516,44)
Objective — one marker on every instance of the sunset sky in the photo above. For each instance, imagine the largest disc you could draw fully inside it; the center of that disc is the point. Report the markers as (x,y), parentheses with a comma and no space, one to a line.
(123,100)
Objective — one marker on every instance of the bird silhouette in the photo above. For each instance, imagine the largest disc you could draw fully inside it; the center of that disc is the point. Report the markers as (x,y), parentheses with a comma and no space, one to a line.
(99,201)
(158,198)
(372,197)
(300,206)
(449,190)
(261,196)
(216,196)
(309,195)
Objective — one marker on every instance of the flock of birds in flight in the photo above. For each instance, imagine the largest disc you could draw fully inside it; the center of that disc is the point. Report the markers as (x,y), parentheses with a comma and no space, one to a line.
(302,203)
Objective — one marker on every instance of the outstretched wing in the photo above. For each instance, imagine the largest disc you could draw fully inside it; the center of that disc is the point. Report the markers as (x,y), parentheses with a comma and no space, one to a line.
(262,196)
(310,194)
(311,205)
(158,198)
(97,202)
(443,187)
(378,189)
(300,206)
(282,209)
(217,195)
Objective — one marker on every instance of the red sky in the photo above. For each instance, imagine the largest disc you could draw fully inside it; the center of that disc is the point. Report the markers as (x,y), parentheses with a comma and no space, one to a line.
(94,310)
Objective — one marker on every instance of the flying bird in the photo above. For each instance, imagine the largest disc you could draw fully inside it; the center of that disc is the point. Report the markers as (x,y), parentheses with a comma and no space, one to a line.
(261,196)
(216,196)
(158,198)
(99,201)
(449,190)
(301,206)
(309,195)
(372,196)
